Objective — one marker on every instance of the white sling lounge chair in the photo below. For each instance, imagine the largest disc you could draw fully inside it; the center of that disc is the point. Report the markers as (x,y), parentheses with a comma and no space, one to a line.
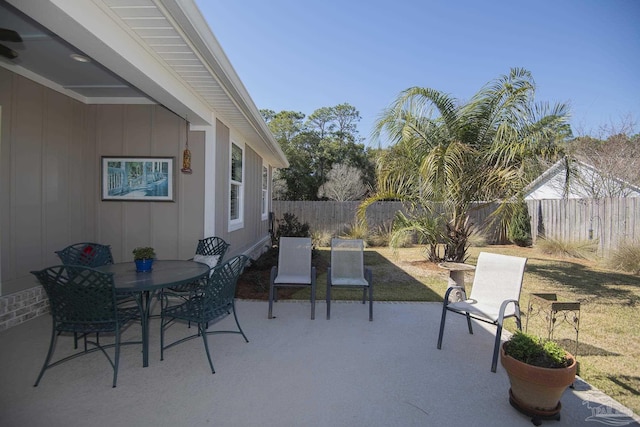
(494,295)
(347,270)
(294,269)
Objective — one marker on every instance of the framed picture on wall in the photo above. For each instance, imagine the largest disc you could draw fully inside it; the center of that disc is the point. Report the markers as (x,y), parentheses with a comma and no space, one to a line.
(149,179)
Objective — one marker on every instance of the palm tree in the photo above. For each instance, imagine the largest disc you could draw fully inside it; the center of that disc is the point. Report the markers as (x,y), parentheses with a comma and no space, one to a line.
(463,155)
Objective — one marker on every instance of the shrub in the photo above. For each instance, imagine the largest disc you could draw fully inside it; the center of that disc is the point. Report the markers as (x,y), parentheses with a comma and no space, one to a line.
(321,238)
(536,351)
(519,228)
(380,236)
(625,257)
(290,226)
(477,239)
(143,252)
(357,230)
(584,249)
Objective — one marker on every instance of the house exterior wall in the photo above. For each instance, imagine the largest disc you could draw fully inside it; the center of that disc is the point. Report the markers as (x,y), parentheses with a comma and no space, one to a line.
(50,163)
(584,183)
(171,228)
(50,153)
(45,177)
(252,237)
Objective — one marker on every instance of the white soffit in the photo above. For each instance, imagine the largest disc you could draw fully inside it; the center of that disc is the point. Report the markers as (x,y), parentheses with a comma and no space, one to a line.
(157,28)
(159,34)
(165,49)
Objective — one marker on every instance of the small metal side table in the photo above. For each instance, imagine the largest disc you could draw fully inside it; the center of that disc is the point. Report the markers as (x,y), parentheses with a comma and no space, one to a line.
(556,313)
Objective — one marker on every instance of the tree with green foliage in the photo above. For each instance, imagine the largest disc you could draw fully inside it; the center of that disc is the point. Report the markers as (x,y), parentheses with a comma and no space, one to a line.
(329,135)
(519,229)
(460,155)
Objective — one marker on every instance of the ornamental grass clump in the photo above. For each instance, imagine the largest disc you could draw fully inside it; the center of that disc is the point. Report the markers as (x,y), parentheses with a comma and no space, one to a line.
(625,257)
(535,351)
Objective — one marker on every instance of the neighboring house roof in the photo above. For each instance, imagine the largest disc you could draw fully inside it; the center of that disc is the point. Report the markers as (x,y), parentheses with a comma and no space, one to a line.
(585,181)
(144,51)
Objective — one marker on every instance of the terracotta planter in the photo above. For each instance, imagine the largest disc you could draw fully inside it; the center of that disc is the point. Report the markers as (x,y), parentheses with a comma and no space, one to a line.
(536,391)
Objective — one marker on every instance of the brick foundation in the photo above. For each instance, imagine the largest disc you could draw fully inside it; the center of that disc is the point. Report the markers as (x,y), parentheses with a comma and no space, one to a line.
(21,306)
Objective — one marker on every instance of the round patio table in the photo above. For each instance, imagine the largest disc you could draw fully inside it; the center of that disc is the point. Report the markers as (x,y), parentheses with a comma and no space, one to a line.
(142,285)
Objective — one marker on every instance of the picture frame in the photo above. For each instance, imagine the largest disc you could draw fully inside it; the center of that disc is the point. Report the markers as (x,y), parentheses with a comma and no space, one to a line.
(147,179)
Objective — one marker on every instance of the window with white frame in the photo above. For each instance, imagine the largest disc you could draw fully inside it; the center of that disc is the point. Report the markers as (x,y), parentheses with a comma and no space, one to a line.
(236,187)
(265,192)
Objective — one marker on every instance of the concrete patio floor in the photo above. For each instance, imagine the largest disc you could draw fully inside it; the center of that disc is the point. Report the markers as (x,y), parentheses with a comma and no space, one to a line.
(294,371)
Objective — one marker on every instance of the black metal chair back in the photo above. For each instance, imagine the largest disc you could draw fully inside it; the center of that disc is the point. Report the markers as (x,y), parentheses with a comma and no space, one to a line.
(212,246)
(214,301)
(83,301)
(220,289)
(87,254)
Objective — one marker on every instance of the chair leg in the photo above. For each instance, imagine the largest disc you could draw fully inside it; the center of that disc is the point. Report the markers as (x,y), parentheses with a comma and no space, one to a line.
(469,324)
(233,308)
(116,358)
(162,337)
(271,292)
(496,349)
(49,354)
(203,332)
(328,293)
(313,294)
(369,277)
(442,320)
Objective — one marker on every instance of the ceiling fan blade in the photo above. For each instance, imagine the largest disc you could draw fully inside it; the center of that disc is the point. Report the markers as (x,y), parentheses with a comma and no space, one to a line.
(9,35)
(8,53)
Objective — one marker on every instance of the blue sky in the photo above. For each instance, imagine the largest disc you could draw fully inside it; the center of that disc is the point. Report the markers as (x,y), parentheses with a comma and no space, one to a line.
(303,55)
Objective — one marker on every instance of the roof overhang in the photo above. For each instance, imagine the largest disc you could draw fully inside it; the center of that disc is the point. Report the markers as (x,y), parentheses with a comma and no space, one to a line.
(163,49)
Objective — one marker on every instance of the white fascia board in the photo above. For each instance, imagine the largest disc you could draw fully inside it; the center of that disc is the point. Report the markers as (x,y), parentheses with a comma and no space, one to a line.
(89,26)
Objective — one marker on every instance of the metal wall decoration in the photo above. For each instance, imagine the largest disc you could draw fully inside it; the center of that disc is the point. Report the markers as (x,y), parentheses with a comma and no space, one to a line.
(186,155)
(138,178)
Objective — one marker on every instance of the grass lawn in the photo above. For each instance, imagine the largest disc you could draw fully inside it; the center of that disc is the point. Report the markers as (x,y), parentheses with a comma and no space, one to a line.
(609,340)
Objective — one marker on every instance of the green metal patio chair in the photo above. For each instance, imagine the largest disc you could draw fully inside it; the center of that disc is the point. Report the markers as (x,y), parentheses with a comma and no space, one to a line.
(83,301)
(210,251)
(214,301)
(87,254)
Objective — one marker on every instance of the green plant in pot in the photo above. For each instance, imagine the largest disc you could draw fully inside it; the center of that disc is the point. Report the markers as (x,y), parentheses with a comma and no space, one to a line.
(143,257)
(539,372)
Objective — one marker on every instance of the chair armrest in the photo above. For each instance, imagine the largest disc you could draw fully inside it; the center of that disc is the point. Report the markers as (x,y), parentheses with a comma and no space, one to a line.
(503,308)
(451,289)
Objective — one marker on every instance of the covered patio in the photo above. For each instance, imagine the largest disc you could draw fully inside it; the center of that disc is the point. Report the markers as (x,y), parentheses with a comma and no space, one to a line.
(294,371)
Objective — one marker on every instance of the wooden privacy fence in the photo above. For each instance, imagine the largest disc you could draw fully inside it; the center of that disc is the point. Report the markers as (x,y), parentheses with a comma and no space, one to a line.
(337,217)
(607,221)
